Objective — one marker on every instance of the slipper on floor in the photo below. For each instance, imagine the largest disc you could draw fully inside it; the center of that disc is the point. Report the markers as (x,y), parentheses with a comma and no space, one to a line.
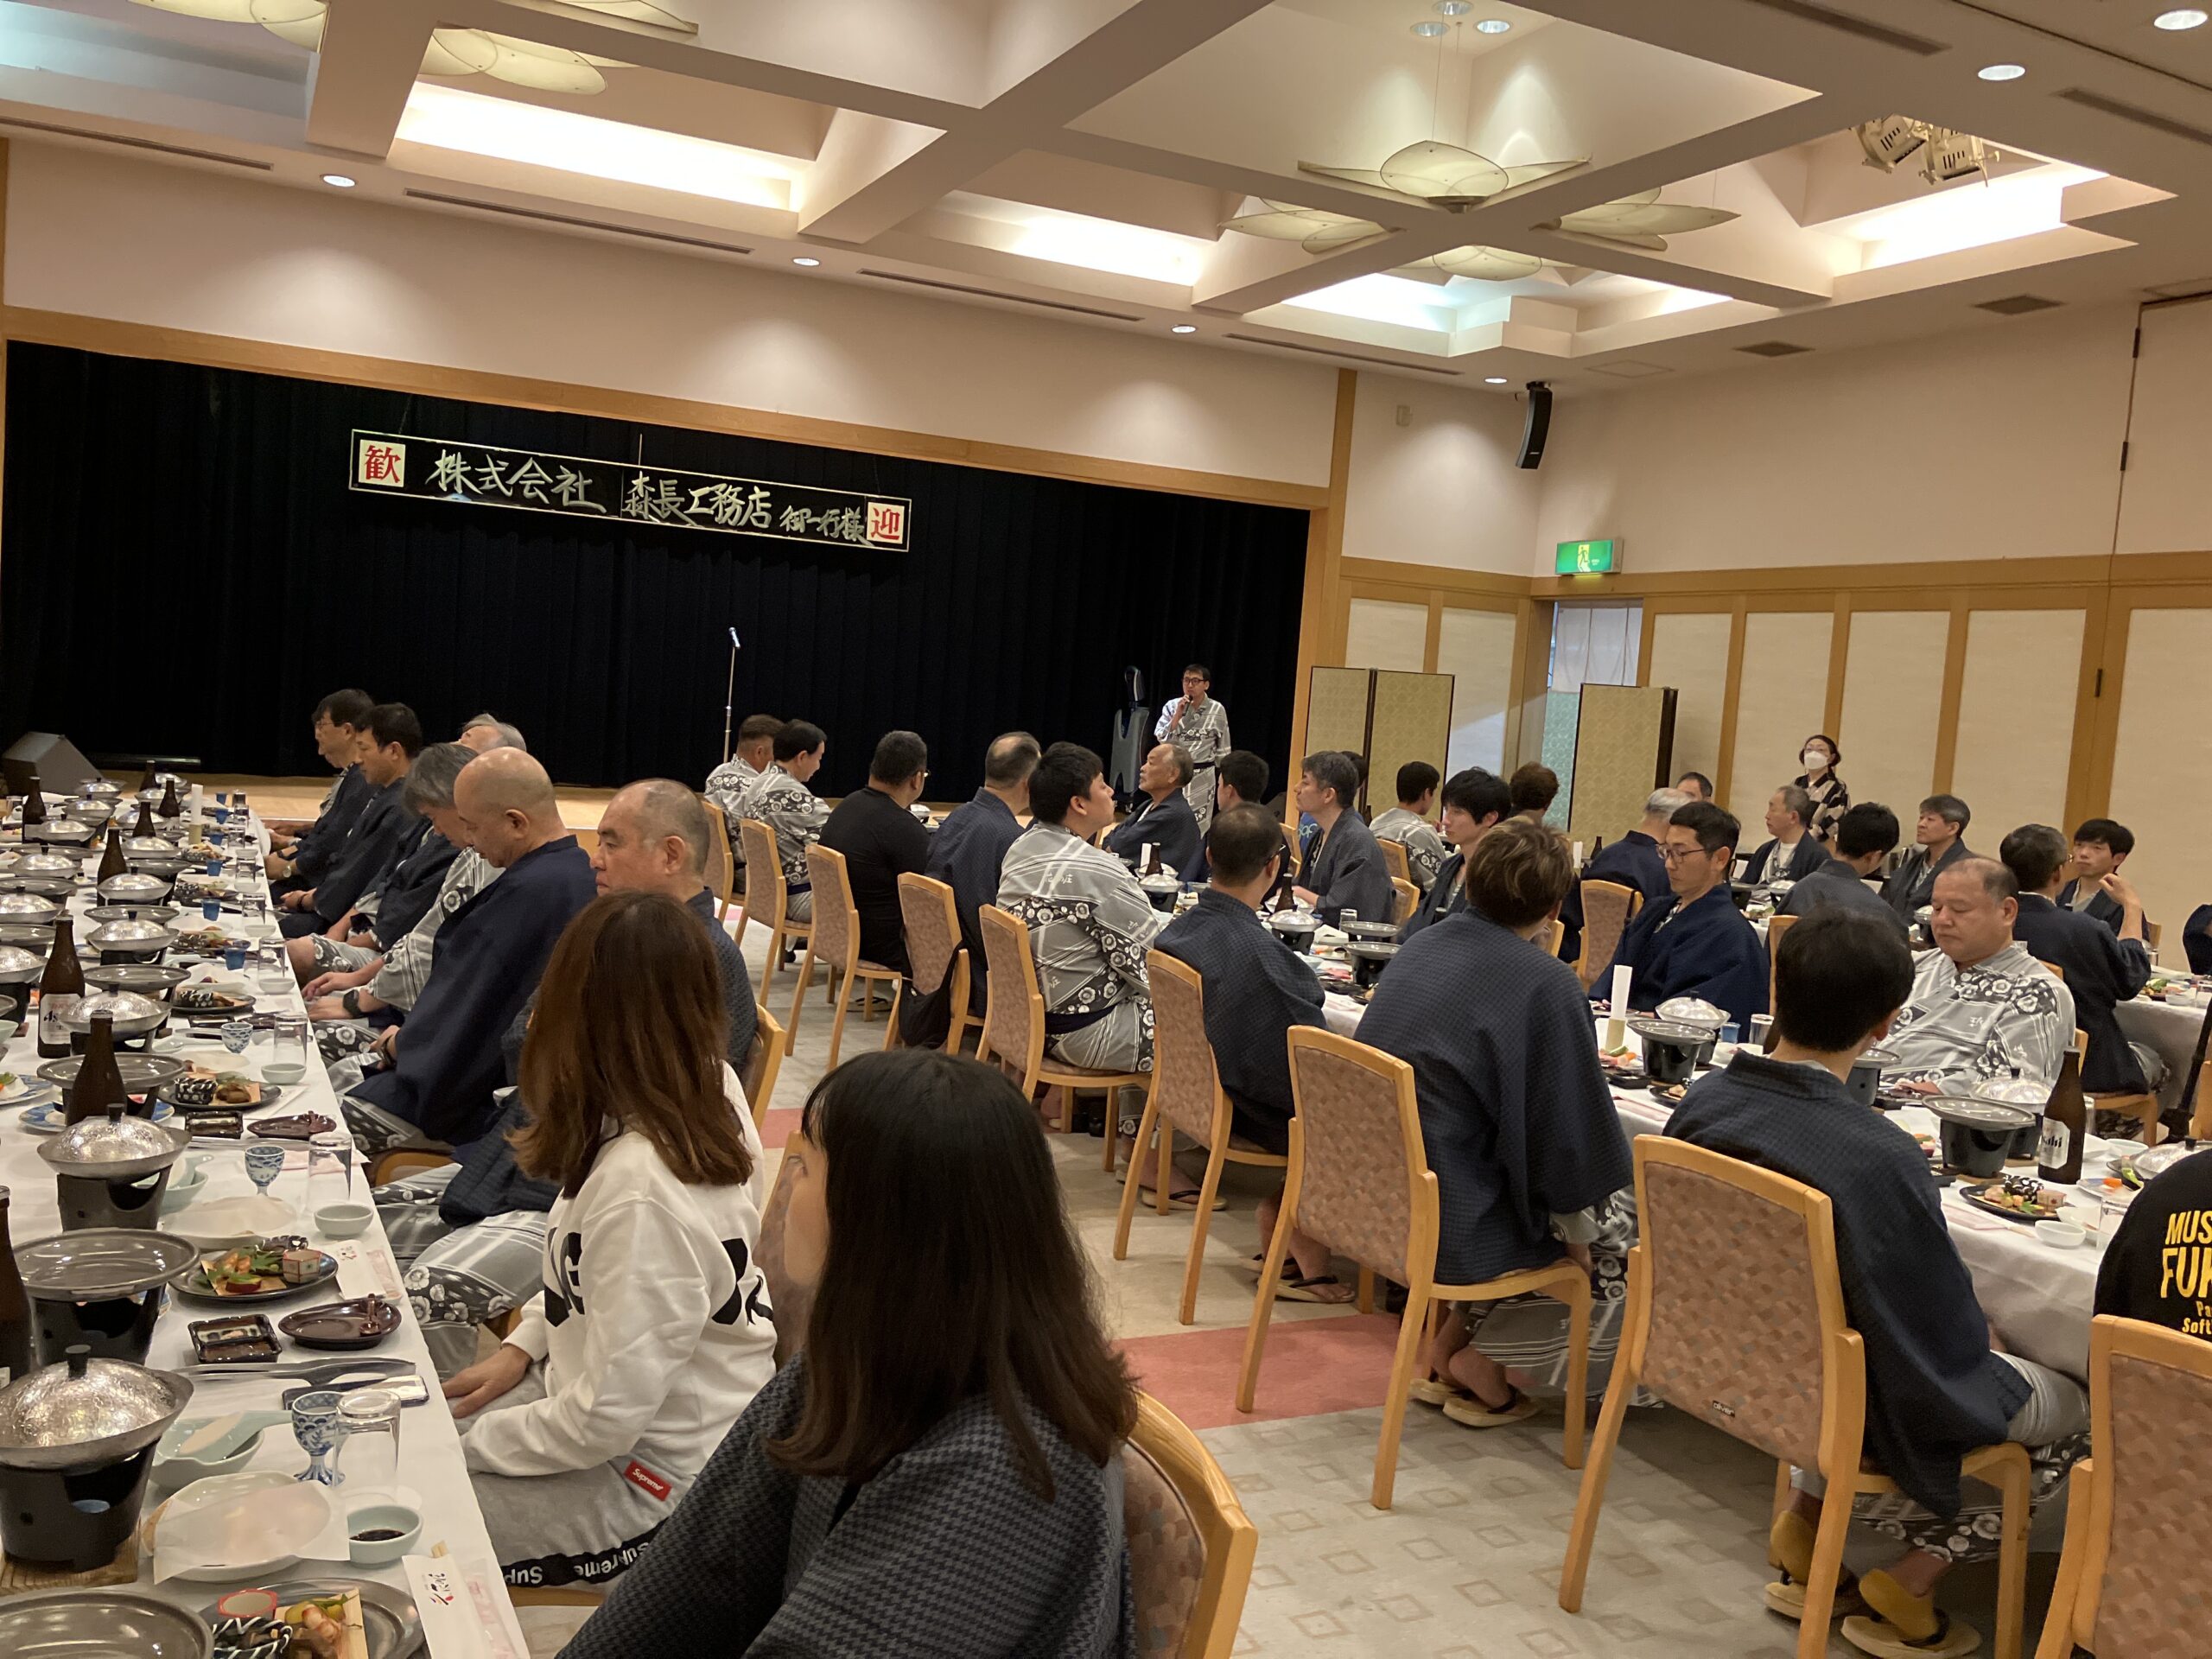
(1179,1200)
(1470,1413)
(1954,1638)
(1787,1597)
(1322,1288)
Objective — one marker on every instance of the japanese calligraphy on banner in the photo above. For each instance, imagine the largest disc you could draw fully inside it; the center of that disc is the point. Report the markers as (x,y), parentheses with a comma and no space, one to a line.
(483,475)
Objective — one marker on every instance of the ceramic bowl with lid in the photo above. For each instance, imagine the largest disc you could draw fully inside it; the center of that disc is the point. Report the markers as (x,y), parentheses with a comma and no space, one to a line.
(87,1411)
(115,1147)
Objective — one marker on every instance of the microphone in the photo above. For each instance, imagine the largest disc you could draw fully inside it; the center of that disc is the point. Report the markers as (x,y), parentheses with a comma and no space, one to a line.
(735,643)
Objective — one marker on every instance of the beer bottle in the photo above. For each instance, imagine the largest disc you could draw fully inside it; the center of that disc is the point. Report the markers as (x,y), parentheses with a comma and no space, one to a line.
(2065,1124)
(58,990)
(99,1080)
(17,1357)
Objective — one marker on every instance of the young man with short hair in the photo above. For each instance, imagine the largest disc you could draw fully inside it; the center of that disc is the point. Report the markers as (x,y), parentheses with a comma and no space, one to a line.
(1865,836)
(2100,847)
(1475,803)
(2102,971)
(1695,942)
(1407,823)
(1345,870)
(385,832)
(1534,787)
(875,829)
(1936,1388)
(301,861)
(1199,725)
(1695,785)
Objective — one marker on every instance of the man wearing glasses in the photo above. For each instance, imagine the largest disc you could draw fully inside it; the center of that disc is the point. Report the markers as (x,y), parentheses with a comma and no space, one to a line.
(1694,942)
(876,830)
(1196,724)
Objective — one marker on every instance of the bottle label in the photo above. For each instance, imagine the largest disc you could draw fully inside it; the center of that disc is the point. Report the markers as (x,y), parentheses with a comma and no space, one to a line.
(52,1008)
(2054,1145)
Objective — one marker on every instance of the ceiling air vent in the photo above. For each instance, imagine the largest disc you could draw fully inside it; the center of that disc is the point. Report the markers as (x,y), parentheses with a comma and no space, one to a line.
(2018,305)
(574,223)
(120,140)
(1844,23)
(1631,371)
(2137,114)
(993,294)
(1348,357)
(1773,348)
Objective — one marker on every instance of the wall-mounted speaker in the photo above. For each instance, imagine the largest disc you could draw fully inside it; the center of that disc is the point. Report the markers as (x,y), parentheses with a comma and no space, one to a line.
(1539,426)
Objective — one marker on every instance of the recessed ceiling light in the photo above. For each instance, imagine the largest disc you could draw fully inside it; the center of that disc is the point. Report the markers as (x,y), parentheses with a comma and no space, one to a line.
(2002,71)
(1184,328)
(338,180)
(1429,31)
(808,264)
(1493,379)
(1492,26)
(2181,17)
(1454,8)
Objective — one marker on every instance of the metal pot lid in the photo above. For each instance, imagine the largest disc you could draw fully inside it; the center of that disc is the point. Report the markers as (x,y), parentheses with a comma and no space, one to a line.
(1881,1057)
(46,864)
(86,1410)
(140,1072)
(55,889)
(17,965)
(127,912)
(127,1011)
(1670,1032)
(2160,1159)
(1981,1114)
(1692,1011)
(2014,1091)
(1380,931)
(136,930)
(117,1624)
(62,829)
(132,886)
(1292,924)
(152,846)
(103,787)
(98,1263)
(28,904)
(1373,950)
(26,936)
(118,1144)
(165,869)
(141,976)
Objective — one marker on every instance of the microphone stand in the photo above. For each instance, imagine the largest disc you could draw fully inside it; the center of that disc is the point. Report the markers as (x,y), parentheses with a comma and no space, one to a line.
(729,696)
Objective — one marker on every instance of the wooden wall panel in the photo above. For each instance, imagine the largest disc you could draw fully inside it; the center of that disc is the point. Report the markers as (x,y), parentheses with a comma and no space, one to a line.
(2015,720)
(1386,634)
(1892,692)
(1689,652)
(2162,765)
(1780,701)
(1476,648)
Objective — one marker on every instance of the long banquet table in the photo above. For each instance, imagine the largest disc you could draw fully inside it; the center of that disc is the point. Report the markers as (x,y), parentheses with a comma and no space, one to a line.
(429,1459)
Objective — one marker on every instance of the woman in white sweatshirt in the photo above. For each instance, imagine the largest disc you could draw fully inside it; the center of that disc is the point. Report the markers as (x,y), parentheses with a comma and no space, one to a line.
(654,1331)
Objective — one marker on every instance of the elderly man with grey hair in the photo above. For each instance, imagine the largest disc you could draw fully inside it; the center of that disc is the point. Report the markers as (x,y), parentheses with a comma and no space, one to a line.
(469,1236)
(1632,862)
(483,733)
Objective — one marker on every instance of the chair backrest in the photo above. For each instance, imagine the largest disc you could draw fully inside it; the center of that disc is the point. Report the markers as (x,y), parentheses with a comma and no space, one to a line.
(1747,1328)
(2054,971)
(788,1304)
(2152,933)
(2144,1582)
(1014,1015)
(1191,1544)
(722,877)
(1393,858)
(1290,847)
(1363,1186)
(1409,898)
(764,874)
(932,922)
(837,924)
(1551,935)
(1607,909)
(1184,1079)
(771,1042)
(1775,927)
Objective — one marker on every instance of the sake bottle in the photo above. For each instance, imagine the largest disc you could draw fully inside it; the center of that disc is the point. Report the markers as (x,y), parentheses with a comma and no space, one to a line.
(171,807)
(17,1353)
(34,804)
(59,989)
(113,862)
(99,1080)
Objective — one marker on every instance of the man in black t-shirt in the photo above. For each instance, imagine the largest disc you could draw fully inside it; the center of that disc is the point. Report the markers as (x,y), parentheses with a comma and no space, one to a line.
(2158,1267)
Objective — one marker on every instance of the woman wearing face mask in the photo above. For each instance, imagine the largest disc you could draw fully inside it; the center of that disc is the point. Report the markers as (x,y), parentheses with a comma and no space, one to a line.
(1831,800)
(940,1470)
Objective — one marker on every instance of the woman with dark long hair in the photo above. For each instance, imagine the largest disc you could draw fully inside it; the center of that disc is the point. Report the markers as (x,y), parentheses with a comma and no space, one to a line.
(584,1431)
(940,1472)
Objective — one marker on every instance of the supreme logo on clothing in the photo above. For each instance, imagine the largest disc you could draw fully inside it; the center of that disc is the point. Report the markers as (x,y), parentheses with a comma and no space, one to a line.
(646,1481)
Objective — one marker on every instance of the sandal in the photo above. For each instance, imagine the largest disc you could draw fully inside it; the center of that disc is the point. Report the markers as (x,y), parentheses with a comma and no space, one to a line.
(1952,1639)
(1322,1288)
(1179,1200)
(1786,1596)
(1790,1547)
(1434,1391)
(1469,1412)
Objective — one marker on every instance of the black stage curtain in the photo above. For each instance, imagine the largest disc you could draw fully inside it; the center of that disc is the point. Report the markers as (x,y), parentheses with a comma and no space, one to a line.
(185,571)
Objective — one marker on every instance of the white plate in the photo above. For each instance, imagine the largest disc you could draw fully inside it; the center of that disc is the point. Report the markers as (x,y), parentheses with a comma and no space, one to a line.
(46,1119)
(23,1089)
(233,1220)
(269,1504)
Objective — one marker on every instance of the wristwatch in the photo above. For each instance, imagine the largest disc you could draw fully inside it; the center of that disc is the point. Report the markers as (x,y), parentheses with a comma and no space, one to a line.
(352,1003)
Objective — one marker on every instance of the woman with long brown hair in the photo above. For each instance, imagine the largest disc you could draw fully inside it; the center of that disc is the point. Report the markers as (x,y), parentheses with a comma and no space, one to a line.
(654,1332)
(940,1470)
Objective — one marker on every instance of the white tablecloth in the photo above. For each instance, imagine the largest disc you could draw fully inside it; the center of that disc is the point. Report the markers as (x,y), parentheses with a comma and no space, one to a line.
(2171,1029)
(430,1446)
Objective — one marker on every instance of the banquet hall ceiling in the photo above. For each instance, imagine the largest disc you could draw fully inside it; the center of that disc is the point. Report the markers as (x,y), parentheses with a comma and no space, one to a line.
(1079,157)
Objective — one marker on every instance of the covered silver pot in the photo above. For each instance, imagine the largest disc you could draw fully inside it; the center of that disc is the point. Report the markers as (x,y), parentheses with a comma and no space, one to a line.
(115,1147)
(84,1412)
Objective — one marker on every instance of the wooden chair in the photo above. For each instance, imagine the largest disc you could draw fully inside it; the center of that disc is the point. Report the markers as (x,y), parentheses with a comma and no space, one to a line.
(395,1162)
(1187,1094)
(1551,935)
(2132,1577)
(1607,909)
(1775,927)
(1409,898)
(1394,860)
(1736,1316)
(1014,1026)
(2144,1107)
(771,1042)
(722,872)
(2152,934)
(835,937)
(1360,1183)
(935,952)
(1190,1545)
(556,1595)
(1290,847)
(788,1304)
(766,897)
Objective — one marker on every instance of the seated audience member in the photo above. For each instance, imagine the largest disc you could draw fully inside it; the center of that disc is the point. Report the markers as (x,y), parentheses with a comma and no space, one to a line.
(1937,1386)
(654,1332)
(2102,971)
(756,751)
(881,841)
(1346,870)
(1823,786)
(1255,991)
(339,720)
(2196,940)
(469,1236)
(1475,803)
(1407,823)
(1939,842)
(486,962)
(1982,1007)
(1695,785)
(413,885)
(1793,852)
(783,801)
(484,733)
(2100,847)
(1241,780)
(385,833)
(1865,836)
(1520,1128)
(938,1471)
(1694,942)
(969,847)
(1089,924)
(1632,862)
(1535,786)
(2158,1266)
(1165,820)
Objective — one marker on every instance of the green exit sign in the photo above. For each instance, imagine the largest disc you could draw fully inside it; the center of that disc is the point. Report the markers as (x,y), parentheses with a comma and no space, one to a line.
(1589,558)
